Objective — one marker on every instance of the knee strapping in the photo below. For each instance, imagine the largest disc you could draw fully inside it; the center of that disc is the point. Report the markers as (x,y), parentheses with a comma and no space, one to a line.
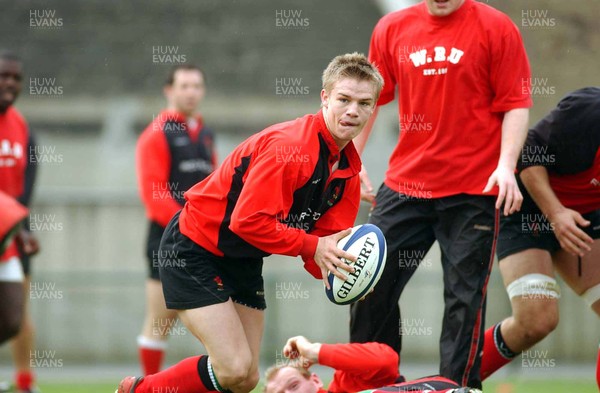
(592,295)
(534,286)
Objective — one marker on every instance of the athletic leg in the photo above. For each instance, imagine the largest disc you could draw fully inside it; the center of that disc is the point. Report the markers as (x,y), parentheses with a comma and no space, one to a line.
(23,344)
(230,358)
(11,309)
(200,286)
(586,284)
(253,323)
(529,278)
(11,293)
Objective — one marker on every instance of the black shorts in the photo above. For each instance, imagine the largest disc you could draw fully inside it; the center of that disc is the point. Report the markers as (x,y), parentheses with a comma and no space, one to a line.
(193,277)
(529,228)
(155,232)
(425,384)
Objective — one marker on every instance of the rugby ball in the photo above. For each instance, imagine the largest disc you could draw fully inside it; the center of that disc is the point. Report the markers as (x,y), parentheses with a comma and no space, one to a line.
(368,244)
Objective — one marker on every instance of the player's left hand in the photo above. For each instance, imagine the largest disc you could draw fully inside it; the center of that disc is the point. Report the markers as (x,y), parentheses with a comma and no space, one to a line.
(508,189)
(567,229)
(28,242)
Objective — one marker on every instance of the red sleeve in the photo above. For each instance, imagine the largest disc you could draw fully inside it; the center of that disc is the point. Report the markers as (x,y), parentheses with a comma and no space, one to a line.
(359,366)
(267,195)
(153,162)
(341,216)
(510,73)
(379,55)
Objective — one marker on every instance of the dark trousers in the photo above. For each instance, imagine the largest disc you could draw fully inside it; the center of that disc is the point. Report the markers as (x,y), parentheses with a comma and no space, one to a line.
(465,227)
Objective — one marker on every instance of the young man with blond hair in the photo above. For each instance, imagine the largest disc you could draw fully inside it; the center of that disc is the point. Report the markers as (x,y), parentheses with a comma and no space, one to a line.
(292,189)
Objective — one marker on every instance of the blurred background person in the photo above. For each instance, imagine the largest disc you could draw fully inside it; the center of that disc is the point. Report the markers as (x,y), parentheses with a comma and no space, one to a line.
(173,153)
(557,227)
(17,175)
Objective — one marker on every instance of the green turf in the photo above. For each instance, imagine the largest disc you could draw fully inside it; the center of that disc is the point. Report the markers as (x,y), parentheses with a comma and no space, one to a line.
(511,386)
(78,387)
(547,386)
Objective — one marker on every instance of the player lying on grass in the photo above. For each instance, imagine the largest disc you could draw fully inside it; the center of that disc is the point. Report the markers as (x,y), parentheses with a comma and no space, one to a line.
(560,168)
(17,179)
(358,367)
(292,189)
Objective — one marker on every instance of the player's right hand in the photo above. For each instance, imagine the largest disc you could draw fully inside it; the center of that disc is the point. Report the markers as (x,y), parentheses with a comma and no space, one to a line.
(508,189)
(329,257)
(299,348)
(366,188)
(572,238)
(28,242)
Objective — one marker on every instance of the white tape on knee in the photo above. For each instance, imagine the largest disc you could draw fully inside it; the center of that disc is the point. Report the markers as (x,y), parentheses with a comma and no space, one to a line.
(592,295)
(534,286)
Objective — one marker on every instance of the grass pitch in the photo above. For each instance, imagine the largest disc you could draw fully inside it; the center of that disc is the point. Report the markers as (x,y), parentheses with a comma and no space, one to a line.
(509,386)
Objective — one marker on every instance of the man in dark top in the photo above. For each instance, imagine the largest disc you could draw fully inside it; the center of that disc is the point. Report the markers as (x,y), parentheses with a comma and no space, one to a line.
(557,227)
(173,153)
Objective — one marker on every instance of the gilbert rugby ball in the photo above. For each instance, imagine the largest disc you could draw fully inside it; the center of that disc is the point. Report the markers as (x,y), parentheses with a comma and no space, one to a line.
(367,243)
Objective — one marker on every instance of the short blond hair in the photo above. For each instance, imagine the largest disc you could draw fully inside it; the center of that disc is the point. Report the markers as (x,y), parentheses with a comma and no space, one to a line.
(272,372)
(352,65)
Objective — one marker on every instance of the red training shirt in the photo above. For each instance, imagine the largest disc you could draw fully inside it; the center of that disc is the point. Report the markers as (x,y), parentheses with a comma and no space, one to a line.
(579,191)
(359,366)
(164,172)
(276,194)
(456,76)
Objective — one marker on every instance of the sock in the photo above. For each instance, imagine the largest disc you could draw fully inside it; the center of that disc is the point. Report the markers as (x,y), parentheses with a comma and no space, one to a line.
(191,375)
(598,369)
(151,353)
(495,352)
(24,380)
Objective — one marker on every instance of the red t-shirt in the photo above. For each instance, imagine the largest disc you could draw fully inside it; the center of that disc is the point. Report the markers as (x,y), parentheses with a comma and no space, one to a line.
(456,76)
(14,141)
(579,191)
(359,366)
